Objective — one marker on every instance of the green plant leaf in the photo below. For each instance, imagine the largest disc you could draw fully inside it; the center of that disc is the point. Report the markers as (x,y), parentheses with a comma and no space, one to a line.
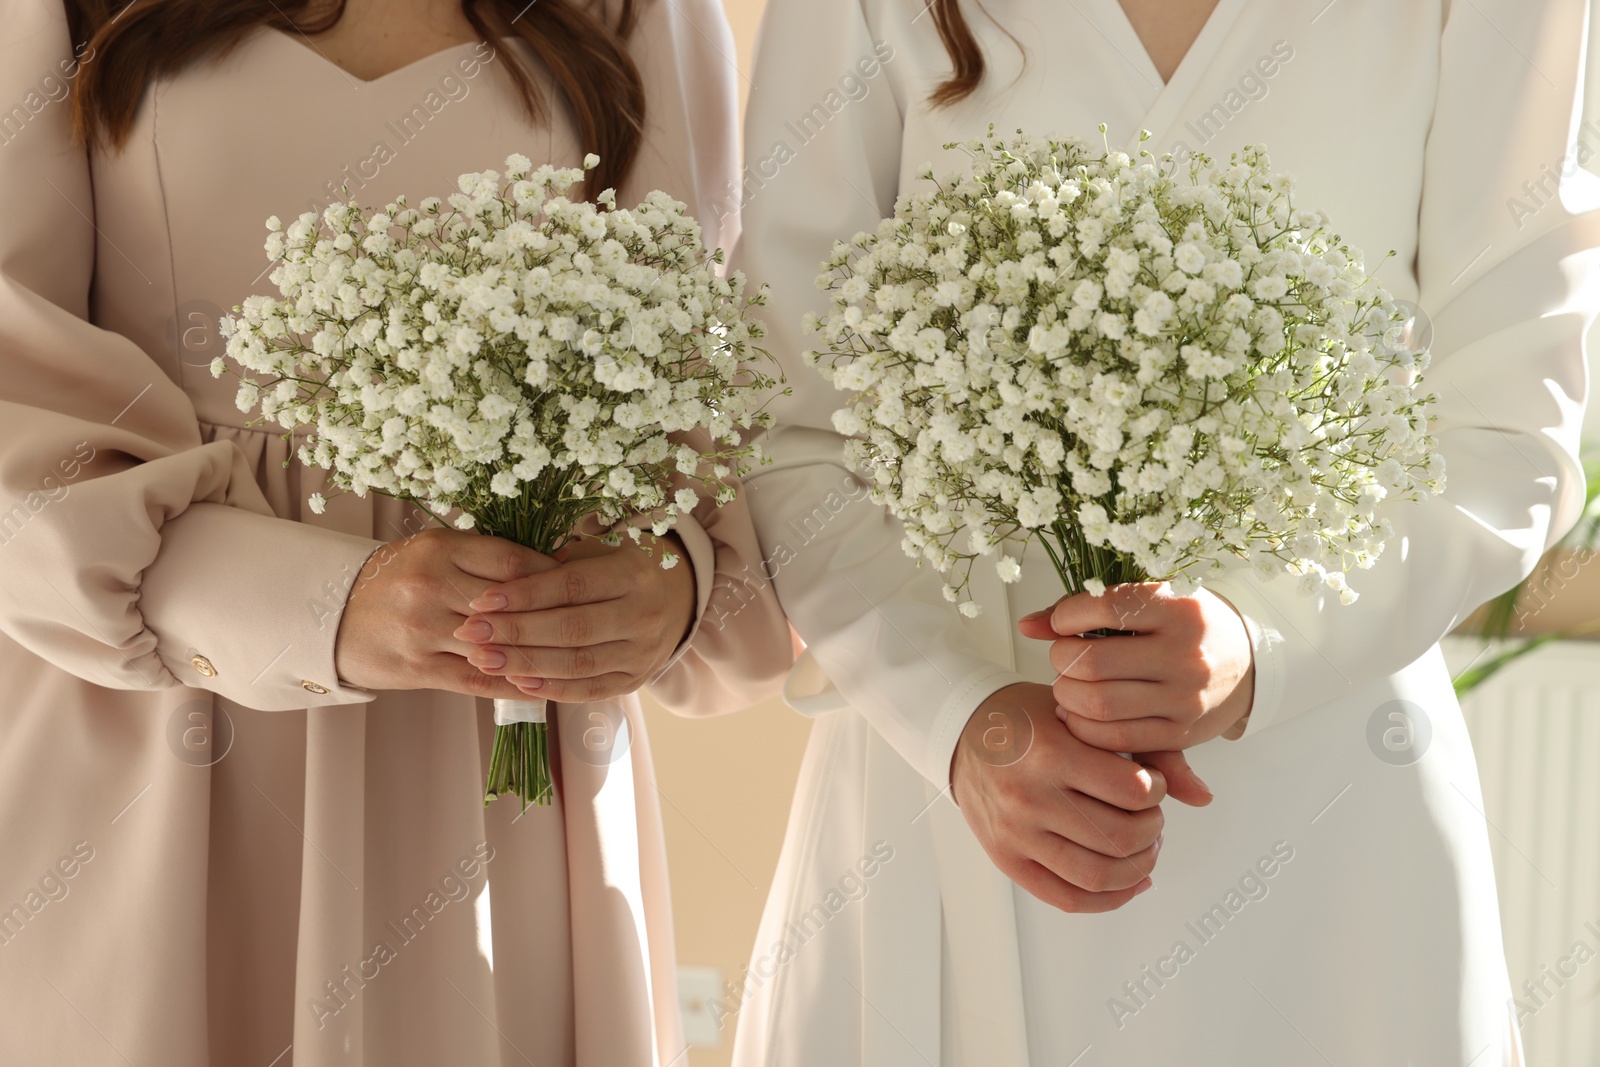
(1478,673)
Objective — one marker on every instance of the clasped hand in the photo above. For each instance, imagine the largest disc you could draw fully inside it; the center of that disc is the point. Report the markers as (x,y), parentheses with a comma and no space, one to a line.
(1070,819)
(486,617)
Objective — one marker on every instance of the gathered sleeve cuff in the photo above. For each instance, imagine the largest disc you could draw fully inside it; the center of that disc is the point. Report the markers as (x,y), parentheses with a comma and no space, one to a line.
(133,554)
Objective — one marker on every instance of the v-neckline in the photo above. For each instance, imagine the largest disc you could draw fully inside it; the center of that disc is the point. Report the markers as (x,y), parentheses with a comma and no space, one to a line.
(321,59)
(1171,93)
(1144,50)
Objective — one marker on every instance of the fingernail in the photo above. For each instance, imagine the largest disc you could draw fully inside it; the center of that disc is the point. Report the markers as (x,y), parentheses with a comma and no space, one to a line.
(528,683)
(475,630)
(488,659)
(489,602)
(1144,887)
(1156,848)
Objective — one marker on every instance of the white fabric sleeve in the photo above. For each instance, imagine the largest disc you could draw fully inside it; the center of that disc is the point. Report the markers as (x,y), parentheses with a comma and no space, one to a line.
(1511,294)
(874,622)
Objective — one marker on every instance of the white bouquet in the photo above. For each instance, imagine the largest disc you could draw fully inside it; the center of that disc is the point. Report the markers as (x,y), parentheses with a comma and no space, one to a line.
(515,358)
(1153,373)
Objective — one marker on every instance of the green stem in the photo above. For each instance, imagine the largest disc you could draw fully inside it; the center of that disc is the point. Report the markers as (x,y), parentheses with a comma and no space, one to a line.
(541,518)
(1076,561)
(520,764)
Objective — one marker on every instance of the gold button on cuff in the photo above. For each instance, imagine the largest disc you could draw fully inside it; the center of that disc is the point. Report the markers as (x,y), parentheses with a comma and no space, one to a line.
(203,666)
(313,687)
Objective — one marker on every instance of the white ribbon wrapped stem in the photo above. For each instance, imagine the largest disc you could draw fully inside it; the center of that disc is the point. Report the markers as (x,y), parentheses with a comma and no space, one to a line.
(507,712)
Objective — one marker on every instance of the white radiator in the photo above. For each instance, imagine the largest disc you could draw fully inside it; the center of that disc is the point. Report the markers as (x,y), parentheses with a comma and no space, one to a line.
(1536,729)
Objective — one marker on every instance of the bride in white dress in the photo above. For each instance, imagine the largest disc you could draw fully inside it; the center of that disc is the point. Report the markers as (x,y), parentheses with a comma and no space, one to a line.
(1335,903)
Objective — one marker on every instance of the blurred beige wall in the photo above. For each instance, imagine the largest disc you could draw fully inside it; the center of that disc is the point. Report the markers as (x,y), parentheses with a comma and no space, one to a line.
(725,784)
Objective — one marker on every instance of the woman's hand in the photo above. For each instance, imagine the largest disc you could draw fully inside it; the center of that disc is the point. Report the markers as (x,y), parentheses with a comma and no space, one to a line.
(397,630)
(1185,675)
(602,624)
(1076,826)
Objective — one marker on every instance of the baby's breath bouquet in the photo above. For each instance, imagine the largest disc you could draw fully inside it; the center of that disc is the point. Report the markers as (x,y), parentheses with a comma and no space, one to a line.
(512,357)
(1155,370)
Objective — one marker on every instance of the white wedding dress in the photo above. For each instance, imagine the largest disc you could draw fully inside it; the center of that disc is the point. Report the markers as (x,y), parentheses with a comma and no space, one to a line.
(1336,904)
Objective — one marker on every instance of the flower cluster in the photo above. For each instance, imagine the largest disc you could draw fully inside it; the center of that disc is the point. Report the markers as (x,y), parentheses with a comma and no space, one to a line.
(512,355)
(1156,373)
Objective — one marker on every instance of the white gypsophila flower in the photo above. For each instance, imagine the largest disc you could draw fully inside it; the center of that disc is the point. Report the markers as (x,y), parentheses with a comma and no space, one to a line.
(508,353)
(1158,371)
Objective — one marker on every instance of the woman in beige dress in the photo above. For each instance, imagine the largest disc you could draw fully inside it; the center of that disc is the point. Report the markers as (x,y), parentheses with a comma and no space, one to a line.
(241,817)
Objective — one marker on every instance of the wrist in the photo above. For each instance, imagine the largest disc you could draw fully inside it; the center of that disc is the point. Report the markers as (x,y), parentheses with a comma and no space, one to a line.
(346,666)
(1242,700)
(681,575)
(1269,662)
(998,733)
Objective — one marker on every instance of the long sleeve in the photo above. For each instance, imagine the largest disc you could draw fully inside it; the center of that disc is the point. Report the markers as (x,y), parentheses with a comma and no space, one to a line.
(132,554)
(875,623)
(1507,269)
(740,646)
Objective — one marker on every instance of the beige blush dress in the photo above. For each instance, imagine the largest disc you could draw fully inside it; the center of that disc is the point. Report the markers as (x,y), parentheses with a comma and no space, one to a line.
(211,850)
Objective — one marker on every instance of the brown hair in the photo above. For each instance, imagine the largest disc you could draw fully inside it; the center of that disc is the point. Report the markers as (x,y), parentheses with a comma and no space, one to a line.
(966,57)
(585,54)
